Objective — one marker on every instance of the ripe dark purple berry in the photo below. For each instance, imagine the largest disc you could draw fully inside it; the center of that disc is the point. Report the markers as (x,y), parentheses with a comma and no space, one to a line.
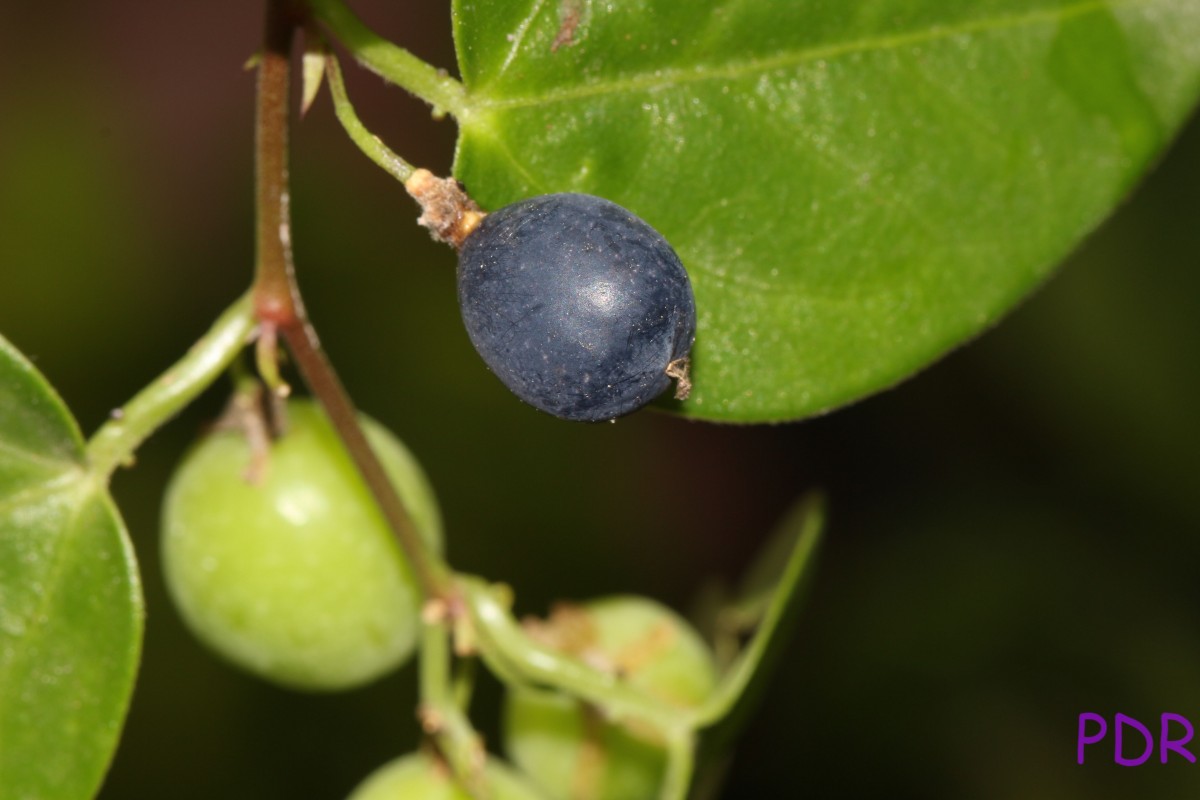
(581,308)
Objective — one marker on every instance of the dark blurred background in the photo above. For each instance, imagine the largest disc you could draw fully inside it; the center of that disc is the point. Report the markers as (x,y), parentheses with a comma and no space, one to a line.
(1013,536)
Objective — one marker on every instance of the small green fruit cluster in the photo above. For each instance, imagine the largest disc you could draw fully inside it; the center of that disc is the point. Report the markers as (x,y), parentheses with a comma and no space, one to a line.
(568,748)
(419,777)
(296,577)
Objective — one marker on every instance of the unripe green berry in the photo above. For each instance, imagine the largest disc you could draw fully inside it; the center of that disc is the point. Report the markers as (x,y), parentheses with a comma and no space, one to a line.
(296,577)
(418,777)
(568,748)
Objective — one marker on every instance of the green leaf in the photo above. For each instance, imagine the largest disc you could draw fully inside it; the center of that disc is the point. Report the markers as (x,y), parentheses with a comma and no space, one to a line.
(70,600)
(855,188)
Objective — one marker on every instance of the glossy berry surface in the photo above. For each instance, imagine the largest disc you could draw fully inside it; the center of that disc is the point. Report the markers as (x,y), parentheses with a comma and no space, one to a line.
(576,304)
(568,749)
(418,777)
(297,577)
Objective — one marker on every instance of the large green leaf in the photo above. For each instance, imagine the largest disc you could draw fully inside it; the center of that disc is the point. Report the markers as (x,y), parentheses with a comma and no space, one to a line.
(855,187)
(70,600)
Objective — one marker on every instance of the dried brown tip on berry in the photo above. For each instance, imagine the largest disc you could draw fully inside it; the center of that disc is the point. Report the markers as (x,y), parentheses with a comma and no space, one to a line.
(446,210)
(246,413)
(680,369)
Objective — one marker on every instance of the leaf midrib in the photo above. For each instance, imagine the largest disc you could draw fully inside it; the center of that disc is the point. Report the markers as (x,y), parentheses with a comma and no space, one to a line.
(663,78)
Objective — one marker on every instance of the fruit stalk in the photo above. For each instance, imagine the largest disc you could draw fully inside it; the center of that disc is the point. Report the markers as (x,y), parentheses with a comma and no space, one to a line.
(441,715)
(367,142)
(681,763)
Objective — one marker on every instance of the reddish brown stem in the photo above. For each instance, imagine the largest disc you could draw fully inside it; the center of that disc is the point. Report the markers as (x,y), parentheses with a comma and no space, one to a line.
(277,296)
(275,299)
(323,381)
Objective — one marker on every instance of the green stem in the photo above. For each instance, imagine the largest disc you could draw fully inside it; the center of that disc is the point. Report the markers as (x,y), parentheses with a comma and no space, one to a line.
(435,664)
(368,142)
(443,718)
(115,442)
(681,763)
(391,62)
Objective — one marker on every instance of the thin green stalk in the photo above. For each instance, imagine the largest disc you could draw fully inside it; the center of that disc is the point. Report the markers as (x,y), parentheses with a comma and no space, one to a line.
(391,62)
(442,716)
(464,682)
(435,664)
(681,763)
(369,143)
(116,441)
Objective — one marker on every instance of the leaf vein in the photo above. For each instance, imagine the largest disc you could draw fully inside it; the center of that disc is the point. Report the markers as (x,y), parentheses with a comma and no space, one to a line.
(518,37)
(32,457)
(669,78)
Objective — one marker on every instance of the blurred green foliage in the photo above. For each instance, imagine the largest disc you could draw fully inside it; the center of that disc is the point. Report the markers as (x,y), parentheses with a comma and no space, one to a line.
(1013,533)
